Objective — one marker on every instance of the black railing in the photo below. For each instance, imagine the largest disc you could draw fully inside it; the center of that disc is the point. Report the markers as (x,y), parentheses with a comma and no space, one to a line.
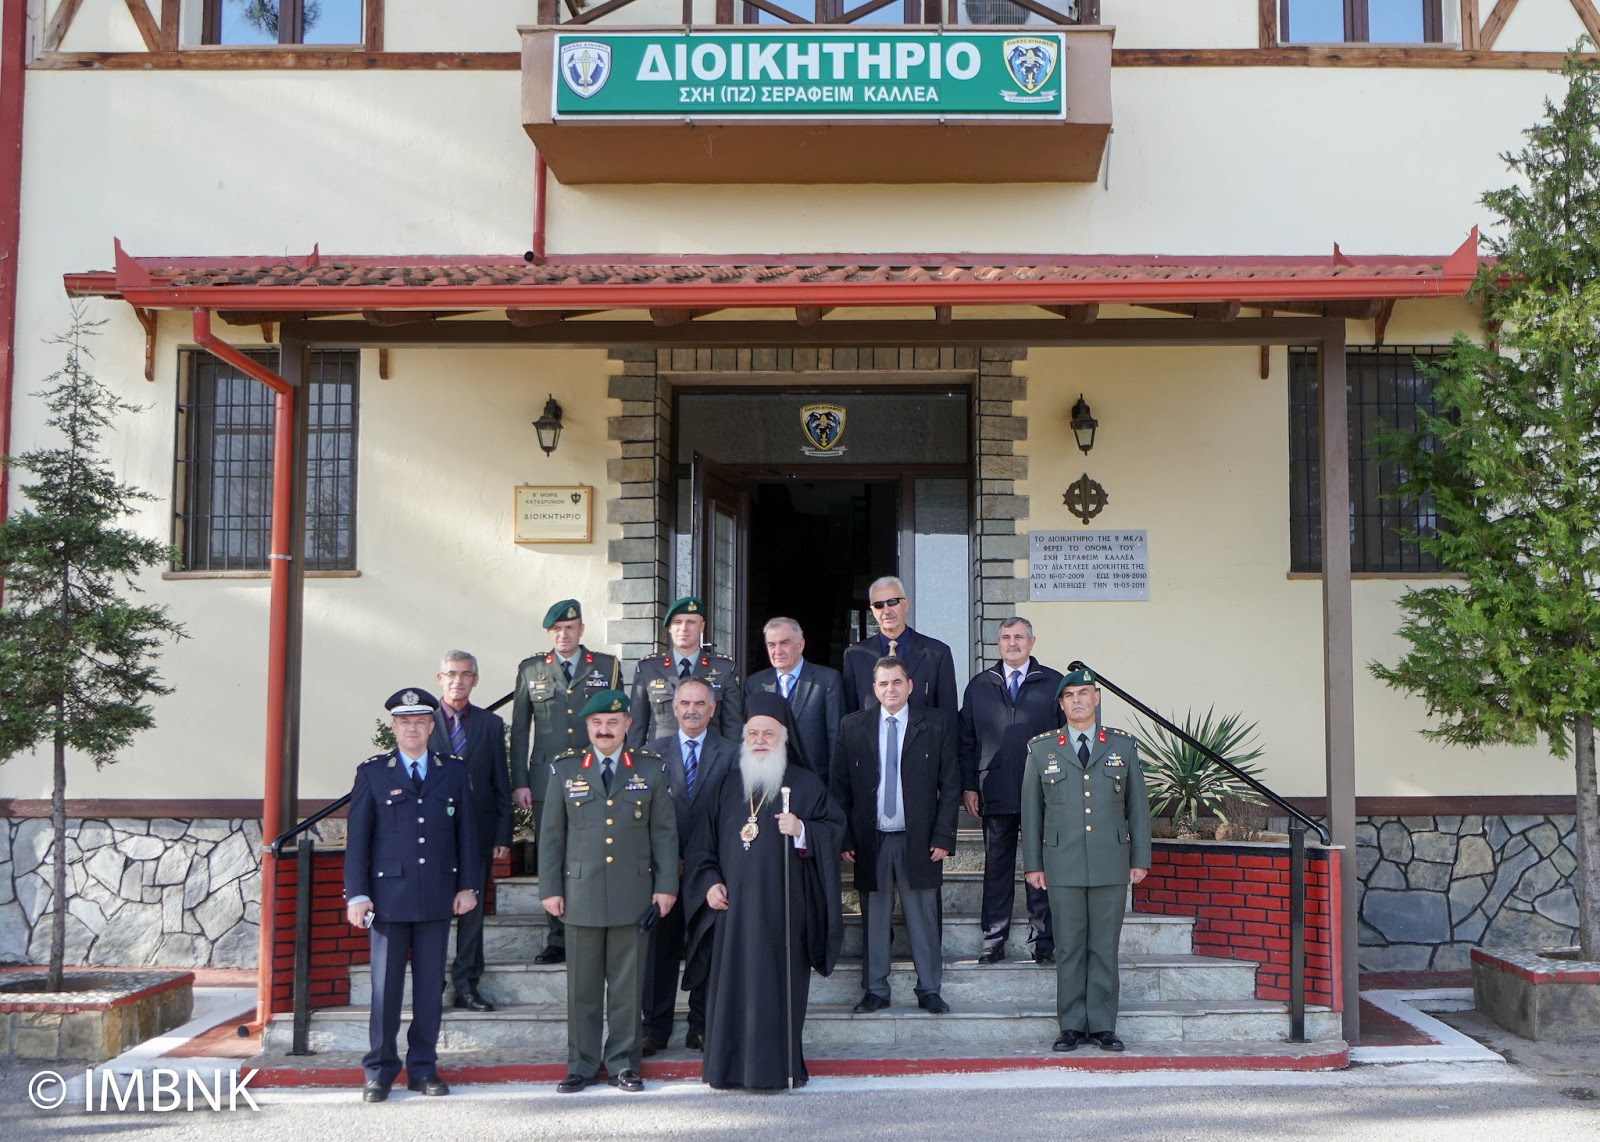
(305,853)
(1299,822)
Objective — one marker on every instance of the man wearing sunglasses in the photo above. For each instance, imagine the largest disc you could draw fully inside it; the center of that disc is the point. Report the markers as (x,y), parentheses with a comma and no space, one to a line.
(927,660)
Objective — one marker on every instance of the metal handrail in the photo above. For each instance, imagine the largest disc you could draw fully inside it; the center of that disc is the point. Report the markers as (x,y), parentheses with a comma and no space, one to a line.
(305,852)
(276,847)
(1310,822)
(1298,822)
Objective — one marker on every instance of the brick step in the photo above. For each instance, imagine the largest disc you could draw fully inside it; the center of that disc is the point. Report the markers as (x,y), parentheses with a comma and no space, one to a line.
(517,939)
(539,1031)
(965,982)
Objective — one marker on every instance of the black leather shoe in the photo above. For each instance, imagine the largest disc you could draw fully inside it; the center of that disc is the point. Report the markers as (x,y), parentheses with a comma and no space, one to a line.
(1048,957)
(628,1081)
(572,1084)
(934,1004)
(1107,1041)
(472,1001)
(992,955)
(649,1045)
(695,1041)
(551,955)
(870,1003)
(374,1091)
(433,1085)
(1068,1041)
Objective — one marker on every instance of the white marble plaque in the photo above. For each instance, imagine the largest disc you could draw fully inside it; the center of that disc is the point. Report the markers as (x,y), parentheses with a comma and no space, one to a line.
(1088,566)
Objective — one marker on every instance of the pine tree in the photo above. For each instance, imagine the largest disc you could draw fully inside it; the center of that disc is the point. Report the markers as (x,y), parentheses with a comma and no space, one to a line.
(77,661)
(1511,466)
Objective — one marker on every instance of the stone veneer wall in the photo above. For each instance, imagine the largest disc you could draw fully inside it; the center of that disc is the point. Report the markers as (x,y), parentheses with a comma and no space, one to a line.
(1433,888)
(142,893)
(642,475)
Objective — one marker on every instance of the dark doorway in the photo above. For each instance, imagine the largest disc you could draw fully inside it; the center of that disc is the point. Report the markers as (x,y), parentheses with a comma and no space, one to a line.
(815,546)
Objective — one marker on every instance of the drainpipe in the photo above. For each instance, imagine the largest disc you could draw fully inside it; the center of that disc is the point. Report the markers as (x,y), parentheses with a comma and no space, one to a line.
(13,62)
(541,190)
(278,637)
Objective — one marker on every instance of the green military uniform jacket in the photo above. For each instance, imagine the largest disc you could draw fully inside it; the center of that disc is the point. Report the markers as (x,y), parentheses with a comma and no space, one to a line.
(547,705)
(1084,826)
(655,684)
(608,855)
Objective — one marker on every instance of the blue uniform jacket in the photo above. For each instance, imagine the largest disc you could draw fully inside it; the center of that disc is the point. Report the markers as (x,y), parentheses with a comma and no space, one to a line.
(409,852)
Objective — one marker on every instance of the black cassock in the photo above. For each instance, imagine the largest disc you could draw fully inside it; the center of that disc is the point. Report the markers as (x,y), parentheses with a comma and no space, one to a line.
(744,1002)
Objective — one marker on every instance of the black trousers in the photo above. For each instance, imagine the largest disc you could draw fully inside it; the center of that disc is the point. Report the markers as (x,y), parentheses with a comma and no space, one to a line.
(425,942)
(467,968)
(1000,831)
(661,963)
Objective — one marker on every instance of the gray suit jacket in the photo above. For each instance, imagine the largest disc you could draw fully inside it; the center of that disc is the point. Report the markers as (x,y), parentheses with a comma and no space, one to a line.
(717,756)
(817,704)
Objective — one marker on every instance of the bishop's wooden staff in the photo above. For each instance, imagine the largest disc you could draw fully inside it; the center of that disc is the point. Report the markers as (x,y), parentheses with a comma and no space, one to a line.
(788,959)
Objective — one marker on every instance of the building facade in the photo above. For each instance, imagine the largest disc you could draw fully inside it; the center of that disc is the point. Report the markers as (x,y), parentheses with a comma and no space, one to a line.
(770,392)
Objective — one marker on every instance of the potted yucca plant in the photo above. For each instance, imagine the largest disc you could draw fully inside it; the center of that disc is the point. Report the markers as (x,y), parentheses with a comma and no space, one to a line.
(1185,782)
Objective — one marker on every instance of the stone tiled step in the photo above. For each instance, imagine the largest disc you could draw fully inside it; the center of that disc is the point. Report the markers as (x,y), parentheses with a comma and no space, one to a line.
(517,939)
(539,1031)
(962,892)
(964,982)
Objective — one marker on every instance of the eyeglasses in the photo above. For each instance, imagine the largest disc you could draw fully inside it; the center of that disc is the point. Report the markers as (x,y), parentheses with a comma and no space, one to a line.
(457,675)
(881,603)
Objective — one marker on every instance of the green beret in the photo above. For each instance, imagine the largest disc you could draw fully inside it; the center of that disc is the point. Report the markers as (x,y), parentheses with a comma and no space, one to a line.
(688,605)
(562,611)
(1082,676)
(605,702)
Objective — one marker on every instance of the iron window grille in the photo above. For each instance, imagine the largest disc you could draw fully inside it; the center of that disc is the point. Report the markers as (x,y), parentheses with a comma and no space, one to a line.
(223,480)
(1385,389)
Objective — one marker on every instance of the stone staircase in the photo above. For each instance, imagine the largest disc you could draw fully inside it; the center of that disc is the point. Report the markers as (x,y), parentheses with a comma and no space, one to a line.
(1174,1003)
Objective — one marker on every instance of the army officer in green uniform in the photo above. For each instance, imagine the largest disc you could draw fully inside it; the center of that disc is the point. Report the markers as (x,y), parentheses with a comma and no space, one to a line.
(551,689)
(655,680)
(1085,838)
(608,852)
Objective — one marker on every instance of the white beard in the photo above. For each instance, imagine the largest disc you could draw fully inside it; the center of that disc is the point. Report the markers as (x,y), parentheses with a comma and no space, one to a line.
(763,777)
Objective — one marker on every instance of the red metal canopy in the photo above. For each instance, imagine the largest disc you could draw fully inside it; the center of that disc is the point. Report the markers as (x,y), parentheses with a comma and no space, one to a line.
(318,284)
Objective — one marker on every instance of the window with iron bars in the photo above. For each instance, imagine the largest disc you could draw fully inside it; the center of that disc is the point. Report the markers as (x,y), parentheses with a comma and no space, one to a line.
(222,487)
(1385,389)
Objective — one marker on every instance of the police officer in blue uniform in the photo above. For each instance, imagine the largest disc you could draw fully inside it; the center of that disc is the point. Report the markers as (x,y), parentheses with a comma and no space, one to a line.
(410,865)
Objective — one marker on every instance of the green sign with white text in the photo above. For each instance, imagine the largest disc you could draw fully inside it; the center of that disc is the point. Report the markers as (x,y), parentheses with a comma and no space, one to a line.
(810,74)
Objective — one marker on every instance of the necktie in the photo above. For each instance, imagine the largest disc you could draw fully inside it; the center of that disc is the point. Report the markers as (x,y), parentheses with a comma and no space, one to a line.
(891,771)
(458,733)
(1083,748)
(788,686)
(1016,684)
(605,774)
(893,642)
(690,762)
(683,669)
(566,668)
(416,775)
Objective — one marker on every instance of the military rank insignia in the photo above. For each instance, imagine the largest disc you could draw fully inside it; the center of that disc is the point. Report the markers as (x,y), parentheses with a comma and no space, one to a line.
(1114,762)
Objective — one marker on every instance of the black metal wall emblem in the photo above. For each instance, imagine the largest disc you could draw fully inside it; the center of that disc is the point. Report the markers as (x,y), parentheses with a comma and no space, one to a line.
(1085,498)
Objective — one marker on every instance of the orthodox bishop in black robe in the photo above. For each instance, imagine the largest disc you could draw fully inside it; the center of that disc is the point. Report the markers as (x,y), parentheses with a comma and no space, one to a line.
(734,862)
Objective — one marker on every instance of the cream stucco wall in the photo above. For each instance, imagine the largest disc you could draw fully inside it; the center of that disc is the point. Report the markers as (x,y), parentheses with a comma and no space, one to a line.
(1204,161)
(1193,448)
(443,442)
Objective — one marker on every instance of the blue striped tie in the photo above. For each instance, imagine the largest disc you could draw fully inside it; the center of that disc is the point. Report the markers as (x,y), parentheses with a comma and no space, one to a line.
(690,763)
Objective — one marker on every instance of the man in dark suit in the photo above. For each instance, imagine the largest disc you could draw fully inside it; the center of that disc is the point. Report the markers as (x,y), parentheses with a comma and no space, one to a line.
(478,738)
(928,662)
(696,759)
(815,693)
(1004,707)
(410,863)
(895,777)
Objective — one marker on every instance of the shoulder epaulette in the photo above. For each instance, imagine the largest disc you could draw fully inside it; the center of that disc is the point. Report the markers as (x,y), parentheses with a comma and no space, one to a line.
(455,757)
(573,752)
(1041,737)
(1115,730)
(370,760)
